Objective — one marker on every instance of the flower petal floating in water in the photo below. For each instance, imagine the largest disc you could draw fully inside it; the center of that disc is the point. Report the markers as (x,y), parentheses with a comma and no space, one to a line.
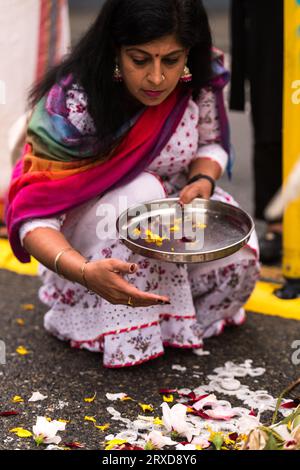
(20,321)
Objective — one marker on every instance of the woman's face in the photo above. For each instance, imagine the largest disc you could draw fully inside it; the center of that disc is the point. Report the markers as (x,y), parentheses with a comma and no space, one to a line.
(144,67)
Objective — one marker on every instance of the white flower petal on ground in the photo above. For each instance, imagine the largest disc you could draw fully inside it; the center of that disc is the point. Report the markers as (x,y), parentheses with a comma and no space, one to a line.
(283,432)
(201,352)
(158,440)
(46,431)
(115,396)
(113,412)
(178,367)
(186,447)
(207,401)
(142,425)
(174,419)
(246,424)
(184,391)
(37,396)
(53,447)
(128,436)
(221,412)
(200,441)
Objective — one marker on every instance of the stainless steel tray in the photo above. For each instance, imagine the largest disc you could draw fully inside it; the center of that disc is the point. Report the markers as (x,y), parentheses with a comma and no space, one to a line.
(201,231)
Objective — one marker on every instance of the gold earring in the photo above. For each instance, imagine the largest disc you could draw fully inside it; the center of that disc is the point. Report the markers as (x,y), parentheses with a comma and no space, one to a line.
(187,76)
(117,76)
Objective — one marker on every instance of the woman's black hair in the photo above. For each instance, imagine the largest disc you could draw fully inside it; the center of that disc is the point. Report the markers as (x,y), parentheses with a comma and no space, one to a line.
(123,23)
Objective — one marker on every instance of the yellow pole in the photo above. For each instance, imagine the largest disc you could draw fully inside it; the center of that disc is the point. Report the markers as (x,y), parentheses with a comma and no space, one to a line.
(291,134)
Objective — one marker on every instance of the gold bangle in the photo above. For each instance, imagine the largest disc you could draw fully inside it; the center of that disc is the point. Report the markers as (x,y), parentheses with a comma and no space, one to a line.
(83,276)
(57,259)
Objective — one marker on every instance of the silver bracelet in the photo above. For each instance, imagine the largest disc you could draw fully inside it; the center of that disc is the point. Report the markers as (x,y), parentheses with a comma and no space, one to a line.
(57,259)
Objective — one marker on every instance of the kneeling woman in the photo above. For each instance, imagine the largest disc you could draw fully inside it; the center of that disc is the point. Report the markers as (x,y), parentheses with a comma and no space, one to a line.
(132,114)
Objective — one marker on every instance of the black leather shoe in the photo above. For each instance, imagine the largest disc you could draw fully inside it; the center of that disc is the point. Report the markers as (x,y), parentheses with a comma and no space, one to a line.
(270,245)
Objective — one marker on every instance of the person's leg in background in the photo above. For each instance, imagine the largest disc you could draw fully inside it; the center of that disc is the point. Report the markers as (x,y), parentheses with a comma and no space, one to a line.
(268,179)
(266,83)
(257,57)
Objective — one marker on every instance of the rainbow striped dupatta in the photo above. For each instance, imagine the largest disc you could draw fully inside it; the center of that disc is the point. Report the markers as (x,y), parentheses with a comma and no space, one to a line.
(41,187)
(61,169)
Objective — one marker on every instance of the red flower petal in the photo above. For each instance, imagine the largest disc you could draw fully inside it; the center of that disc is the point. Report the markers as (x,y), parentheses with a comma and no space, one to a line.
(127,446)
(201,414)
(196,399)
(252,413)
(289,404)
(9,413)
(167,390)
(73,445)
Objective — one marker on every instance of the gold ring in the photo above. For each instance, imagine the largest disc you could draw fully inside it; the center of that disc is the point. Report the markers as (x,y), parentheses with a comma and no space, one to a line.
(130,302)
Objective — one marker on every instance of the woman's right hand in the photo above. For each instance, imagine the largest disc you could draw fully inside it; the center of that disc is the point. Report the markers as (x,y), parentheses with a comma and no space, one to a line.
(105,278)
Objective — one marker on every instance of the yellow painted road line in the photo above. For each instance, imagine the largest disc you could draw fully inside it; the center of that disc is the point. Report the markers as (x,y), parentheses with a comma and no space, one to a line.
(9,261)
(264,301)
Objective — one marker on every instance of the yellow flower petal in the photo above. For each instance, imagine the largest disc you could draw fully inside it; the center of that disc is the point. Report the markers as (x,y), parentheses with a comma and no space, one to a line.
(146,407)
(17,399)
(168,398)
(190,409)
(90,418)
(20,432)
(102,428)
(115,442)
(90,400)
(158,421)
(63,420)
(22,351)
(20,321)
(127,398)
(27,306)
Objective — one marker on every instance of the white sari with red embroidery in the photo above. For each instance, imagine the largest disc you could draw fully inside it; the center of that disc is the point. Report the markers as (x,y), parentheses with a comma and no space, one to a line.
(204,297)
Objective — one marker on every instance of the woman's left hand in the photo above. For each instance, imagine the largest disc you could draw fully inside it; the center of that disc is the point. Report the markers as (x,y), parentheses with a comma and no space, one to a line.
(201,188)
